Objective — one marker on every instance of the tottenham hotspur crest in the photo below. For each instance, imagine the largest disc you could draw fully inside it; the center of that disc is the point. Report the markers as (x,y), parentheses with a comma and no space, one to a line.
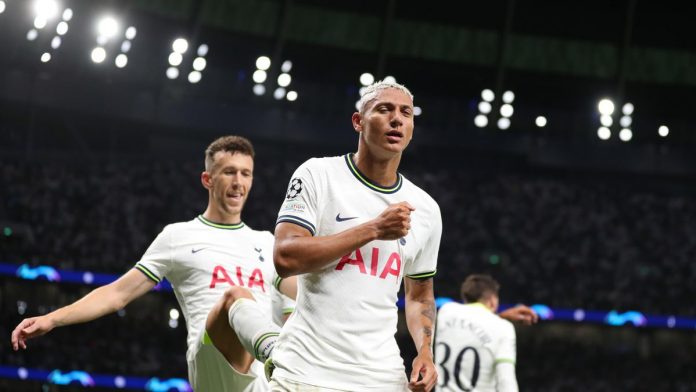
(294,189)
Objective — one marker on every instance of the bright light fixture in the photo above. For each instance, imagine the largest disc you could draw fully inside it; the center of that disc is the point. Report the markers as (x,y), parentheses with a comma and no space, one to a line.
(284,80)
(98,54)
(263,63)
(180,45)
(367,79)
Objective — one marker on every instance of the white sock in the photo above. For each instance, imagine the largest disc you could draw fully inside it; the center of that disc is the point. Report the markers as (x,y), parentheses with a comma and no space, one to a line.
(255,329)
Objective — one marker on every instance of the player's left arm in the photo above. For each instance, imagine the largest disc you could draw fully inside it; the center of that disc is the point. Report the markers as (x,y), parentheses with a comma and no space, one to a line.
(520,314)
(420,318)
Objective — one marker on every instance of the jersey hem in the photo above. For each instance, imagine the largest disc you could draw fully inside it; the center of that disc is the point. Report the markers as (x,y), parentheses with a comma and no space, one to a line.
(147,273)
(422,275)
(298,221)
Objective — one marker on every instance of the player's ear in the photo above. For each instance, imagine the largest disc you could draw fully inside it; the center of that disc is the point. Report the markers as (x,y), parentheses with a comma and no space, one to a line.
(206,180)
(357,120)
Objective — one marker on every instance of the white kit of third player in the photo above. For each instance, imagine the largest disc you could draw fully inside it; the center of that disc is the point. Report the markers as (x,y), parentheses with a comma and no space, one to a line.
(341,334)
(470,341)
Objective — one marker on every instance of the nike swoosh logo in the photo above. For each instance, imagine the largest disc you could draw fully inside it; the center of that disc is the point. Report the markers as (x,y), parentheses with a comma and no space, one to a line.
(258,249)
(197,250)
(339,219)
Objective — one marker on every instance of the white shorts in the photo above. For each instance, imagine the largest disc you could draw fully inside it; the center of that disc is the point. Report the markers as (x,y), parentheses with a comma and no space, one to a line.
(210,372)
(279,384)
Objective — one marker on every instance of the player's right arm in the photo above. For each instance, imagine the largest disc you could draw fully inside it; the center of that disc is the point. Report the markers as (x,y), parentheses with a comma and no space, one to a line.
(99,302)
(296,251)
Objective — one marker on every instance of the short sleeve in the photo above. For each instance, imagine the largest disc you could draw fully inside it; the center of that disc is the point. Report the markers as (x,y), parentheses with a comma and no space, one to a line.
(425,263)
(507,349)
(300,203)
(157,260)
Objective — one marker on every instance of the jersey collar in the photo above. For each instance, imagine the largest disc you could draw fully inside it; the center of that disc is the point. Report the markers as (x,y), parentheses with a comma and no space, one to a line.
(478,305)
(210,223)
(366,181)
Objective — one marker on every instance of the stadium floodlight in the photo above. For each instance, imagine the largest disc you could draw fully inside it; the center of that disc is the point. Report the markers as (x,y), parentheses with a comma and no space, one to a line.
(366,79)
(202,50)
(121,60)
(663,130)
(484,107)
(131,32)
(46,9)
(606,106)
(480,120)
(62,28)
(174,314)
(604,133)
(417,111)
(107,27)
(259,89)
(55,42)
(487,95)
(625,134)
(39,22)
(540,121)
(199,64)
(626,121)
(279,93)
(67,14)
(98,54)
(606,120)
(286,66)
(2,6)
(627,108)
(508,97)
(172,73)
(32,34)
(259,76)
(503,123)
(284,80)
(292,96)
(46,57)
(180,45)
(194,77)
(263,63)
(175,59)
(506,110)
(125,46)
(389,79)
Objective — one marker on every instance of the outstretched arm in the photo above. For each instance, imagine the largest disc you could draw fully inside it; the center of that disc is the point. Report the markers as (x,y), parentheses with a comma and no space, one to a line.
(99,302)
(296,251)
(520,314)
(420,318)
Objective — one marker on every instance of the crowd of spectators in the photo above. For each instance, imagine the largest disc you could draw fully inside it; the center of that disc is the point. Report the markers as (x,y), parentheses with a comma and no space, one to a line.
(547,239)
(606,243)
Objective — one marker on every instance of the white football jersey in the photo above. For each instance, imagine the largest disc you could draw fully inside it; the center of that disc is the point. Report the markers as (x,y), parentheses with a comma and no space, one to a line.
(201,259)
(470,341)
(341,334)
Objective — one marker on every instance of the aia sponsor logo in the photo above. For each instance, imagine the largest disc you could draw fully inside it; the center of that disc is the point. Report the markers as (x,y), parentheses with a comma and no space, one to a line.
(391,267)
(221,276)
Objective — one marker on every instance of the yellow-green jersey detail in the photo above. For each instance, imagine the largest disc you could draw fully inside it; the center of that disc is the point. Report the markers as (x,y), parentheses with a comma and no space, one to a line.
(147,273)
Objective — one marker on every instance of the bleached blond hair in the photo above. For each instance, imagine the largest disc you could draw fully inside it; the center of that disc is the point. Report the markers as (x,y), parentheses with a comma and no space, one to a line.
(370,93)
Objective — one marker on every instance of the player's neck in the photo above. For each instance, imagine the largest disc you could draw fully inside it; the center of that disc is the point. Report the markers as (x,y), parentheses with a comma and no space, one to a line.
(381,171)
(217,215)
